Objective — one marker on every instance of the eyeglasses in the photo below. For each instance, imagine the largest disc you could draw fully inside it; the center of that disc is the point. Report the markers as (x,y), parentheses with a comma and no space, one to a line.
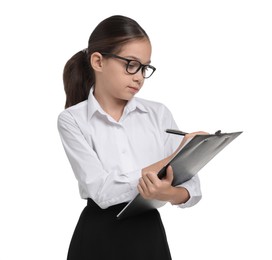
(133,66)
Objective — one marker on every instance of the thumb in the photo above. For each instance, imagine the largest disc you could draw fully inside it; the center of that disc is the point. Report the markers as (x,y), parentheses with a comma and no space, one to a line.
(169,174)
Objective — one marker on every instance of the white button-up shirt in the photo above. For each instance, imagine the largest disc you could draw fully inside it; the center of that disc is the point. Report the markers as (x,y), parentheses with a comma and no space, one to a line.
(107,156)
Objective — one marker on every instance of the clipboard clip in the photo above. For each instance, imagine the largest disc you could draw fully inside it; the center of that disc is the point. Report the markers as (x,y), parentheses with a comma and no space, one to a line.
(218,132)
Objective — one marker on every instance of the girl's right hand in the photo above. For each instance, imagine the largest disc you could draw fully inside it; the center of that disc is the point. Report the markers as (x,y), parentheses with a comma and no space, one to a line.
(187,137)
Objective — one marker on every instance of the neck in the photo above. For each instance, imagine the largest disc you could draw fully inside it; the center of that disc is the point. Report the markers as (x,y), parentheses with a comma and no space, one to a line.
(112,106)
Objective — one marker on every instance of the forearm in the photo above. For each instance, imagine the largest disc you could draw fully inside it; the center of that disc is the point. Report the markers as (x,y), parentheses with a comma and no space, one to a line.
(156,167)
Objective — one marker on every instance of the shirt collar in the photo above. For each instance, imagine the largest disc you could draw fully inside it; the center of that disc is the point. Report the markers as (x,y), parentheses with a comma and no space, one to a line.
(94,106)
(134,104)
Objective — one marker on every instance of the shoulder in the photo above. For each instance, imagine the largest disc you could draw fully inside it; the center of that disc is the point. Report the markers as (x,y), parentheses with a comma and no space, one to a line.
(74,113)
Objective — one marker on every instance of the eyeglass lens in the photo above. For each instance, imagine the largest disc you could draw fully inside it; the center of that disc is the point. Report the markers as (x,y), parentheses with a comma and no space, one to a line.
(134,66)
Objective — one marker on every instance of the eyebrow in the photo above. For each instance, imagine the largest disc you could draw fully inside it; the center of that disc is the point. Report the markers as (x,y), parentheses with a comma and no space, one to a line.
(135,58)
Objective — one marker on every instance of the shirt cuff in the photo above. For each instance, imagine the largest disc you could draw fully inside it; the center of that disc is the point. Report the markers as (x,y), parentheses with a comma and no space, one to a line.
(128,177)
(193,187)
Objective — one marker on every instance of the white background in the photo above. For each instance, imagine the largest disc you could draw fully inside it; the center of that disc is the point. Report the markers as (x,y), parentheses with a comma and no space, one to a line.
(214,63)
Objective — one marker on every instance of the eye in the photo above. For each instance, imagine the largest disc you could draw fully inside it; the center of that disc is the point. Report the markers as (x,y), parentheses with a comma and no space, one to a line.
(133,66)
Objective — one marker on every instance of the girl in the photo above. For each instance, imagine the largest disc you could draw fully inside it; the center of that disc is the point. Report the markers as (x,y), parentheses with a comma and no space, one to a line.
(116,143)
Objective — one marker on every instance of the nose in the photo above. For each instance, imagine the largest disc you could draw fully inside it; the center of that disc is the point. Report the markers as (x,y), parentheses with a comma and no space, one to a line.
(138,77)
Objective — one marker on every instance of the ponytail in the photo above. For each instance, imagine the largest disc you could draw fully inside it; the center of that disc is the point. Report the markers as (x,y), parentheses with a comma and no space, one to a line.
(78,78)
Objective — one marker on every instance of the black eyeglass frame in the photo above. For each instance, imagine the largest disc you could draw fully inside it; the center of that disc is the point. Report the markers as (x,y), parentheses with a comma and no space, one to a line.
(141,66)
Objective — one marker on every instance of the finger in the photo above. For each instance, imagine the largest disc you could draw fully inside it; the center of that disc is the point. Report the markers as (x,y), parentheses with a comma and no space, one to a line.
(197,133)
(142,184)
(148,172)
(141,191)
(149,186)
(169,174)
(151,178)
(201,133)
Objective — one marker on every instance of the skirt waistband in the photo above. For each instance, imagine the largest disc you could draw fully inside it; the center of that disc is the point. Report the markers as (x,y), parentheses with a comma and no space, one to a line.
(115,208)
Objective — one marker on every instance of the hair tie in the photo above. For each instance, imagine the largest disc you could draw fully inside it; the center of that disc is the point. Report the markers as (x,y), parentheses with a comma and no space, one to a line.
(85,50)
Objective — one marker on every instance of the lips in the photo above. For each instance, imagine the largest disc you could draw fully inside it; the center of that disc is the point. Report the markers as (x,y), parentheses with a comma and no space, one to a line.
(134,89)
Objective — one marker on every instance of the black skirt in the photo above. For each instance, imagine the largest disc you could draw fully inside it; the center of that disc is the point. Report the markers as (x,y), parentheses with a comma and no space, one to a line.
(99,235)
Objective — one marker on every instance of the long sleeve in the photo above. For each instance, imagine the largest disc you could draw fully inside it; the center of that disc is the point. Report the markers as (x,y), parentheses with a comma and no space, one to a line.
(105,188)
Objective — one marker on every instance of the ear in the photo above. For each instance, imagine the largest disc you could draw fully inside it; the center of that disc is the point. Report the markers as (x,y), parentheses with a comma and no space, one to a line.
(96,61)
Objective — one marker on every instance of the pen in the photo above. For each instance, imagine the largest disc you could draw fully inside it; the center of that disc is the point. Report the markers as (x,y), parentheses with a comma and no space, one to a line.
(175,132)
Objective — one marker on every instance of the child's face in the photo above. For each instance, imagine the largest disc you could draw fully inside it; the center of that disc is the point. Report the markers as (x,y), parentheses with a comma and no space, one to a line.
(115,81)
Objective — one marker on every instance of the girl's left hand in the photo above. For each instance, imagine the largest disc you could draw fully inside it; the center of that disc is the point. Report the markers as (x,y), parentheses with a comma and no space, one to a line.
(151,187)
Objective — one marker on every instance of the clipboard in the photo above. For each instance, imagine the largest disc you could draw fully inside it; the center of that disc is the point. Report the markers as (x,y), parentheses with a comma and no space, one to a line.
(188,161)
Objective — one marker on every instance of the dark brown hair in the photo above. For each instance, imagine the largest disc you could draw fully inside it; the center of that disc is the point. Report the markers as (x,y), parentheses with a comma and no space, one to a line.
(109,36)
